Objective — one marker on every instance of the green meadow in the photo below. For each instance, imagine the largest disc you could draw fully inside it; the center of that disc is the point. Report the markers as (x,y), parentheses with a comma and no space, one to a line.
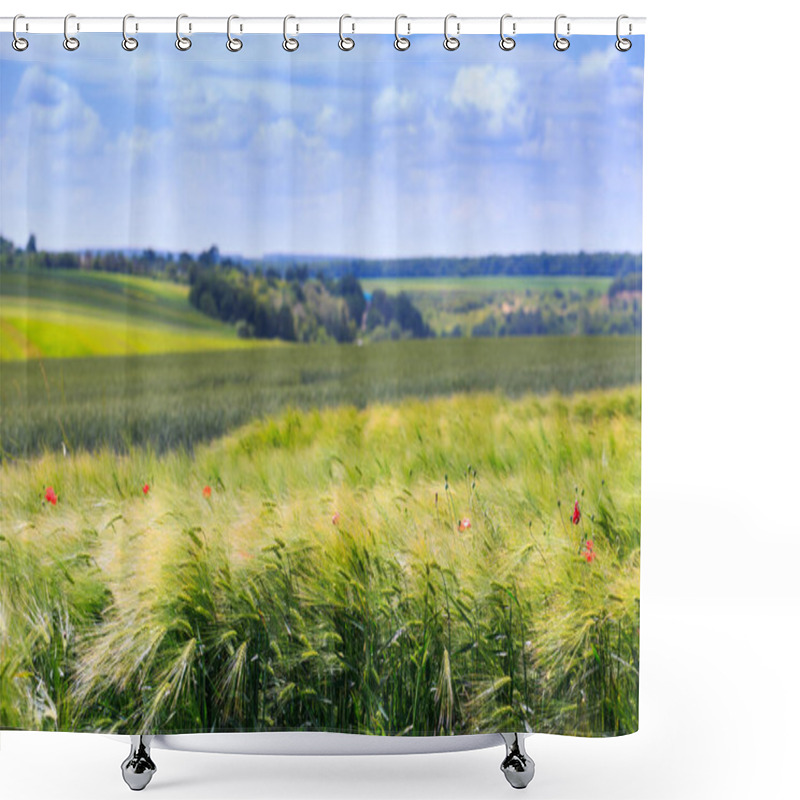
(177,400)
(483,284)
(65,313)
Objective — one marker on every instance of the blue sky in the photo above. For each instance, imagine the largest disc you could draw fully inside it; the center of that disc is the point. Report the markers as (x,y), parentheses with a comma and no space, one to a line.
(372,152)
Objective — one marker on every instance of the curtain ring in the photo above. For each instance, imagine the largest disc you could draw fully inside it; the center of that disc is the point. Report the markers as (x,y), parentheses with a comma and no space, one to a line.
(18,43)
(181,42)
(623,45)
(506,42)
(289,44)
(128,42)
(450,42)
(70,42)
(345,42)
(233,44)
(400,42)
(561,43)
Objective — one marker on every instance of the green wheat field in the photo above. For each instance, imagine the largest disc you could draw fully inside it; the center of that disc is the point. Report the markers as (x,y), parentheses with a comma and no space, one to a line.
(380,539)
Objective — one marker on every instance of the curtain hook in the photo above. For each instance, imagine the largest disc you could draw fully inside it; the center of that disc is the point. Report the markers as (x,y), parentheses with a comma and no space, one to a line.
(345,42)
(128,42)
(18,43)
(181,42)
(70,42)
(450,42)
(233,44)
(561,43)
(400,42)
(623,45)
(506,42)
(289,44)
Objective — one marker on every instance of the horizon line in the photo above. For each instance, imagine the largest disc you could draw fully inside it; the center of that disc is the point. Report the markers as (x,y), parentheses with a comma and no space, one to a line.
(330,256)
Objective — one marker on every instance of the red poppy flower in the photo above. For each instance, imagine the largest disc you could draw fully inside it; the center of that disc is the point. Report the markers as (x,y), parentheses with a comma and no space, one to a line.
(589,556)
(464,524)
(335,518)
(146,488)
(206,492)
(576,514)
(589,544)
(50,495)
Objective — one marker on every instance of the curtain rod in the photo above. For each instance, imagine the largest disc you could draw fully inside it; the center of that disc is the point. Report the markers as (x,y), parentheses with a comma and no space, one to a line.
(299,25)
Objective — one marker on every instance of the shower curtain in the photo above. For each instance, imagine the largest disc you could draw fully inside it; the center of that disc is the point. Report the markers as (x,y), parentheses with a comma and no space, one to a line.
(321,387)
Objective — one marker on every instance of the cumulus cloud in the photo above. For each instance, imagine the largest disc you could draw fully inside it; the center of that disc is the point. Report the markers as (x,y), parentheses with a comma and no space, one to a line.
(332,123)
(45,106)
(597,62)
(277,135)
(394,104)
(494,92)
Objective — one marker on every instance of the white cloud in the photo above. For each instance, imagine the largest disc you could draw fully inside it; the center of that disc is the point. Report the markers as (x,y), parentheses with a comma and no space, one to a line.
(597,62)
(332,123)
(492,91)
(47,109)
(393,104)
(274,137)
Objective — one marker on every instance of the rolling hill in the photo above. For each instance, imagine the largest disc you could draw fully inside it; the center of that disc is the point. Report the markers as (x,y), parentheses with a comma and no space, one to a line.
(64,313)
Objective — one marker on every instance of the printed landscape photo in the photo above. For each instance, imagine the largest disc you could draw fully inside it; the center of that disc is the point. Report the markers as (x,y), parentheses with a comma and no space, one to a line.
(324,412)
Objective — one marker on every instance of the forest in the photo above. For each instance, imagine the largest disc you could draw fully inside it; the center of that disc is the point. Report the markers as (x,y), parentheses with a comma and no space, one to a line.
(300,308)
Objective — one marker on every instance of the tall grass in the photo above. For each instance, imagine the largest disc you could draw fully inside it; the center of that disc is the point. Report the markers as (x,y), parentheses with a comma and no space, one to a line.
(329,582)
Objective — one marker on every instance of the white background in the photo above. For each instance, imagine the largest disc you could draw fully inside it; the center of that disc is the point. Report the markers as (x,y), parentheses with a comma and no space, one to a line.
(721,537)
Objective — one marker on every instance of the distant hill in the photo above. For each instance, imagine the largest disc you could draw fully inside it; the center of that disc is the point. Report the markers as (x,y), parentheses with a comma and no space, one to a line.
(609,265)
(143,301)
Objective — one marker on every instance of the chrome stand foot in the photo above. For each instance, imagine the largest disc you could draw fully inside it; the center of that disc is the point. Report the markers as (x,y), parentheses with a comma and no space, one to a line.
(138,768)
(517,766)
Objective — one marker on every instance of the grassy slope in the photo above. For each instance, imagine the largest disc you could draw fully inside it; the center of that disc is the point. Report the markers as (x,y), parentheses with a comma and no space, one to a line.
(253,610)
(490,283)
(58,313)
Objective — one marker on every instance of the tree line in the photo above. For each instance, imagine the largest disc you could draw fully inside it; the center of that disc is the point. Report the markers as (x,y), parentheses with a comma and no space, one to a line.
(176,266)
(547,322)
(602,264)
